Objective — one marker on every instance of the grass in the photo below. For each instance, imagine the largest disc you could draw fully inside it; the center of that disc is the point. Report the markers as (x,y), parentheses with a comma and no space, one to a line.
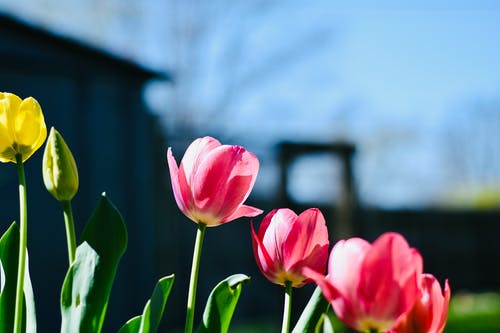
(473,313)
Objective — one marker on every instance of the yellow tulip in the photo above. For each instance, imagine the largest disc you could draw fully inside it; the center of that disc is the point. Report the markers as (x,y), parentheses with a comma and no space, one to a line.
(22,127)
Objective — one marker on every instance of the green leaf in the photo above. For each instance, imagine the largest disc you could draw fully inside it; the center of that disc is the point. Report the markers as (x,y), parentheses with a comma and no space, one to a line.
(325,324)
(9,247)
(221,304)
(29,301)
(150,319)
(312,313)
(87,285)
(9,252)
(131,326)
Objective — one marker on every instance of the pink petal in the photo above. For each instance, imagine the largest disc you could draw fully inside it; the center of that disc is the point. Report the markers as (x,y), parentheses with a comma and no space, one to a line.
(429,312)
(445,306)
(316,260)
(344,265)
(196,153)
(390,270)
(307,232)
(243,210)
(180,194)
(264,261)
(277,226)
(328,289)
(224,180)
(432,307)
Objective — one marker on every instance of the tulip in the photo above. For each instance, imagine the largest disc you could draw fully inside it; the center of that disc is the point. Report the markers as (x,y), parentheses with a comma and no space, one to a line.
(286,243)
(371,286)
(213,180)
(210,186)
(60,174)
(430,311)
(22,127)
(22,132)
(60,177)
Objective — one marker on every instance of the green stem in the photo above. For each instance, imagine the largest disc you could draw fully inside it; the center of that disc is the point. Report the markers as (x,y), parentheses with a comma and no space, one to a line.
(193,281)
(23,235)
(287,310)
(70,230)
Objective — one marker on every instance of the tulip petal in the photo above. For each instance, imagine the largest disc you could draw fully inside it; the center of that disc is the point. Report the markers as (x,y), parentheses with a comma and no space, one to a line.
(431,310)
(27,123)
(274,233)
(10,104)
(243,210)
(308,231)
(344,268)
(344,265)
(264,261)
(389,267)
(180,193)
(224,180)
(329,291)
(316,260)
(6,139)
(195,155)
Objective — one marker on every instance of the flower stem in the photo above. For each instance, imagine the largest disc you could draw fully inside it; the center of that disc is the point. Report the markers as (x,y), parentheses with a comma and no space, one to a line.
(70,230)
(23,235)
(193,281)
(287,310)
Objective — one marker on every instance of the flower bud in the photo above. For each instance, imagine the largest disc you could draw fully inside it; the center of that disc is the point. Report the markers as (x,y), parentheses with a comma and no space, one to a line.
(59,168)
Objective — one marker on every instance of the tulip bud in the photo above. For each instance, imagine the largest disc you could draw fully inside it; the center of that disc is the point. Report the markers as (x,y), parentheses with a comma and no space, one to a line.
(59,168)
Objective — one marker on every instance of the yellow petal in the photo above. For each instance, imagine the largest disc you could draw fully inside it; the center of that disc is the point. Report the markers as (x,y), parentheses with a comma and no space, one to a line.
(28,123)
(7,103)
(12,103)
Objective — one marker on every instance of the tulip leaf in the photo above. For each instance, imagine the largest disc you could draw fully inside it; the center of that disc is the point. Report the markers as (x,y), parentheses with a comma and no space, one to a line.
(312,313)
(150,319)
(9,252)
(221,304)
(325,324)
(132,326)
(87,285)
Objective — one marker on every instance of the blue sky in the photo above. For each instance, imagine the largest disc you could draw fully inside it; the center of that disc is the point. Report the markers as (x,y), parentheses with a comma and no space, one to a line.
(387,75)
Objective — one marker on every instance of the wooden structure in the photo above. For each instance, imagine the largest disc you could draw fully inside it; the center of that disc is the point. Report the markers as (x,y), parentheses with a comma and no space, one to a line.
(345,205)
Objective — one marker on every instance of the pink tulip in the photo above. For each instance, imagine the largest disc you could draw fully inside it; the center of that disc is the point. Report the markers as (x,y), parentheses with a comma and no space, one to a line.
(370,286)
(286,243)
(213,180)
(430,311)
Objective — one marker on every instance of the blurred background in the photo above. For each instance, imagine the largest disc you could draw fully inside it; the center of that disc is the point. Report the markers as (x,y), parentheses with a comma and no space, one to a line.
(386,116)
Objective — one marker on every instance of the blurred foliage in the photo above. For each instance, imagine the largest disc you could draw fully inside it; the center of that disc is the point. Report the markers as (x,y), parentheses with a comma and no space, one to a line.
(483,198)
(474,313)
(469,313)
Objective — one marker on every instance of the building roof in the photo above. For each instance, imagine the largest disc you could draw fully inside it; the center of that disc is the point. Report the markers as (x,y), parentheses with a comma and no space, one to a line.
(41,36)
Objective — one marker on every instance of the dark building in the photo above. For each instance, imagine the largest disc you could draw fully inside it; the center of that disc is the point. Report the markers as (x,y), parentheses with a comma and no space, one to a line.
(95,101)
